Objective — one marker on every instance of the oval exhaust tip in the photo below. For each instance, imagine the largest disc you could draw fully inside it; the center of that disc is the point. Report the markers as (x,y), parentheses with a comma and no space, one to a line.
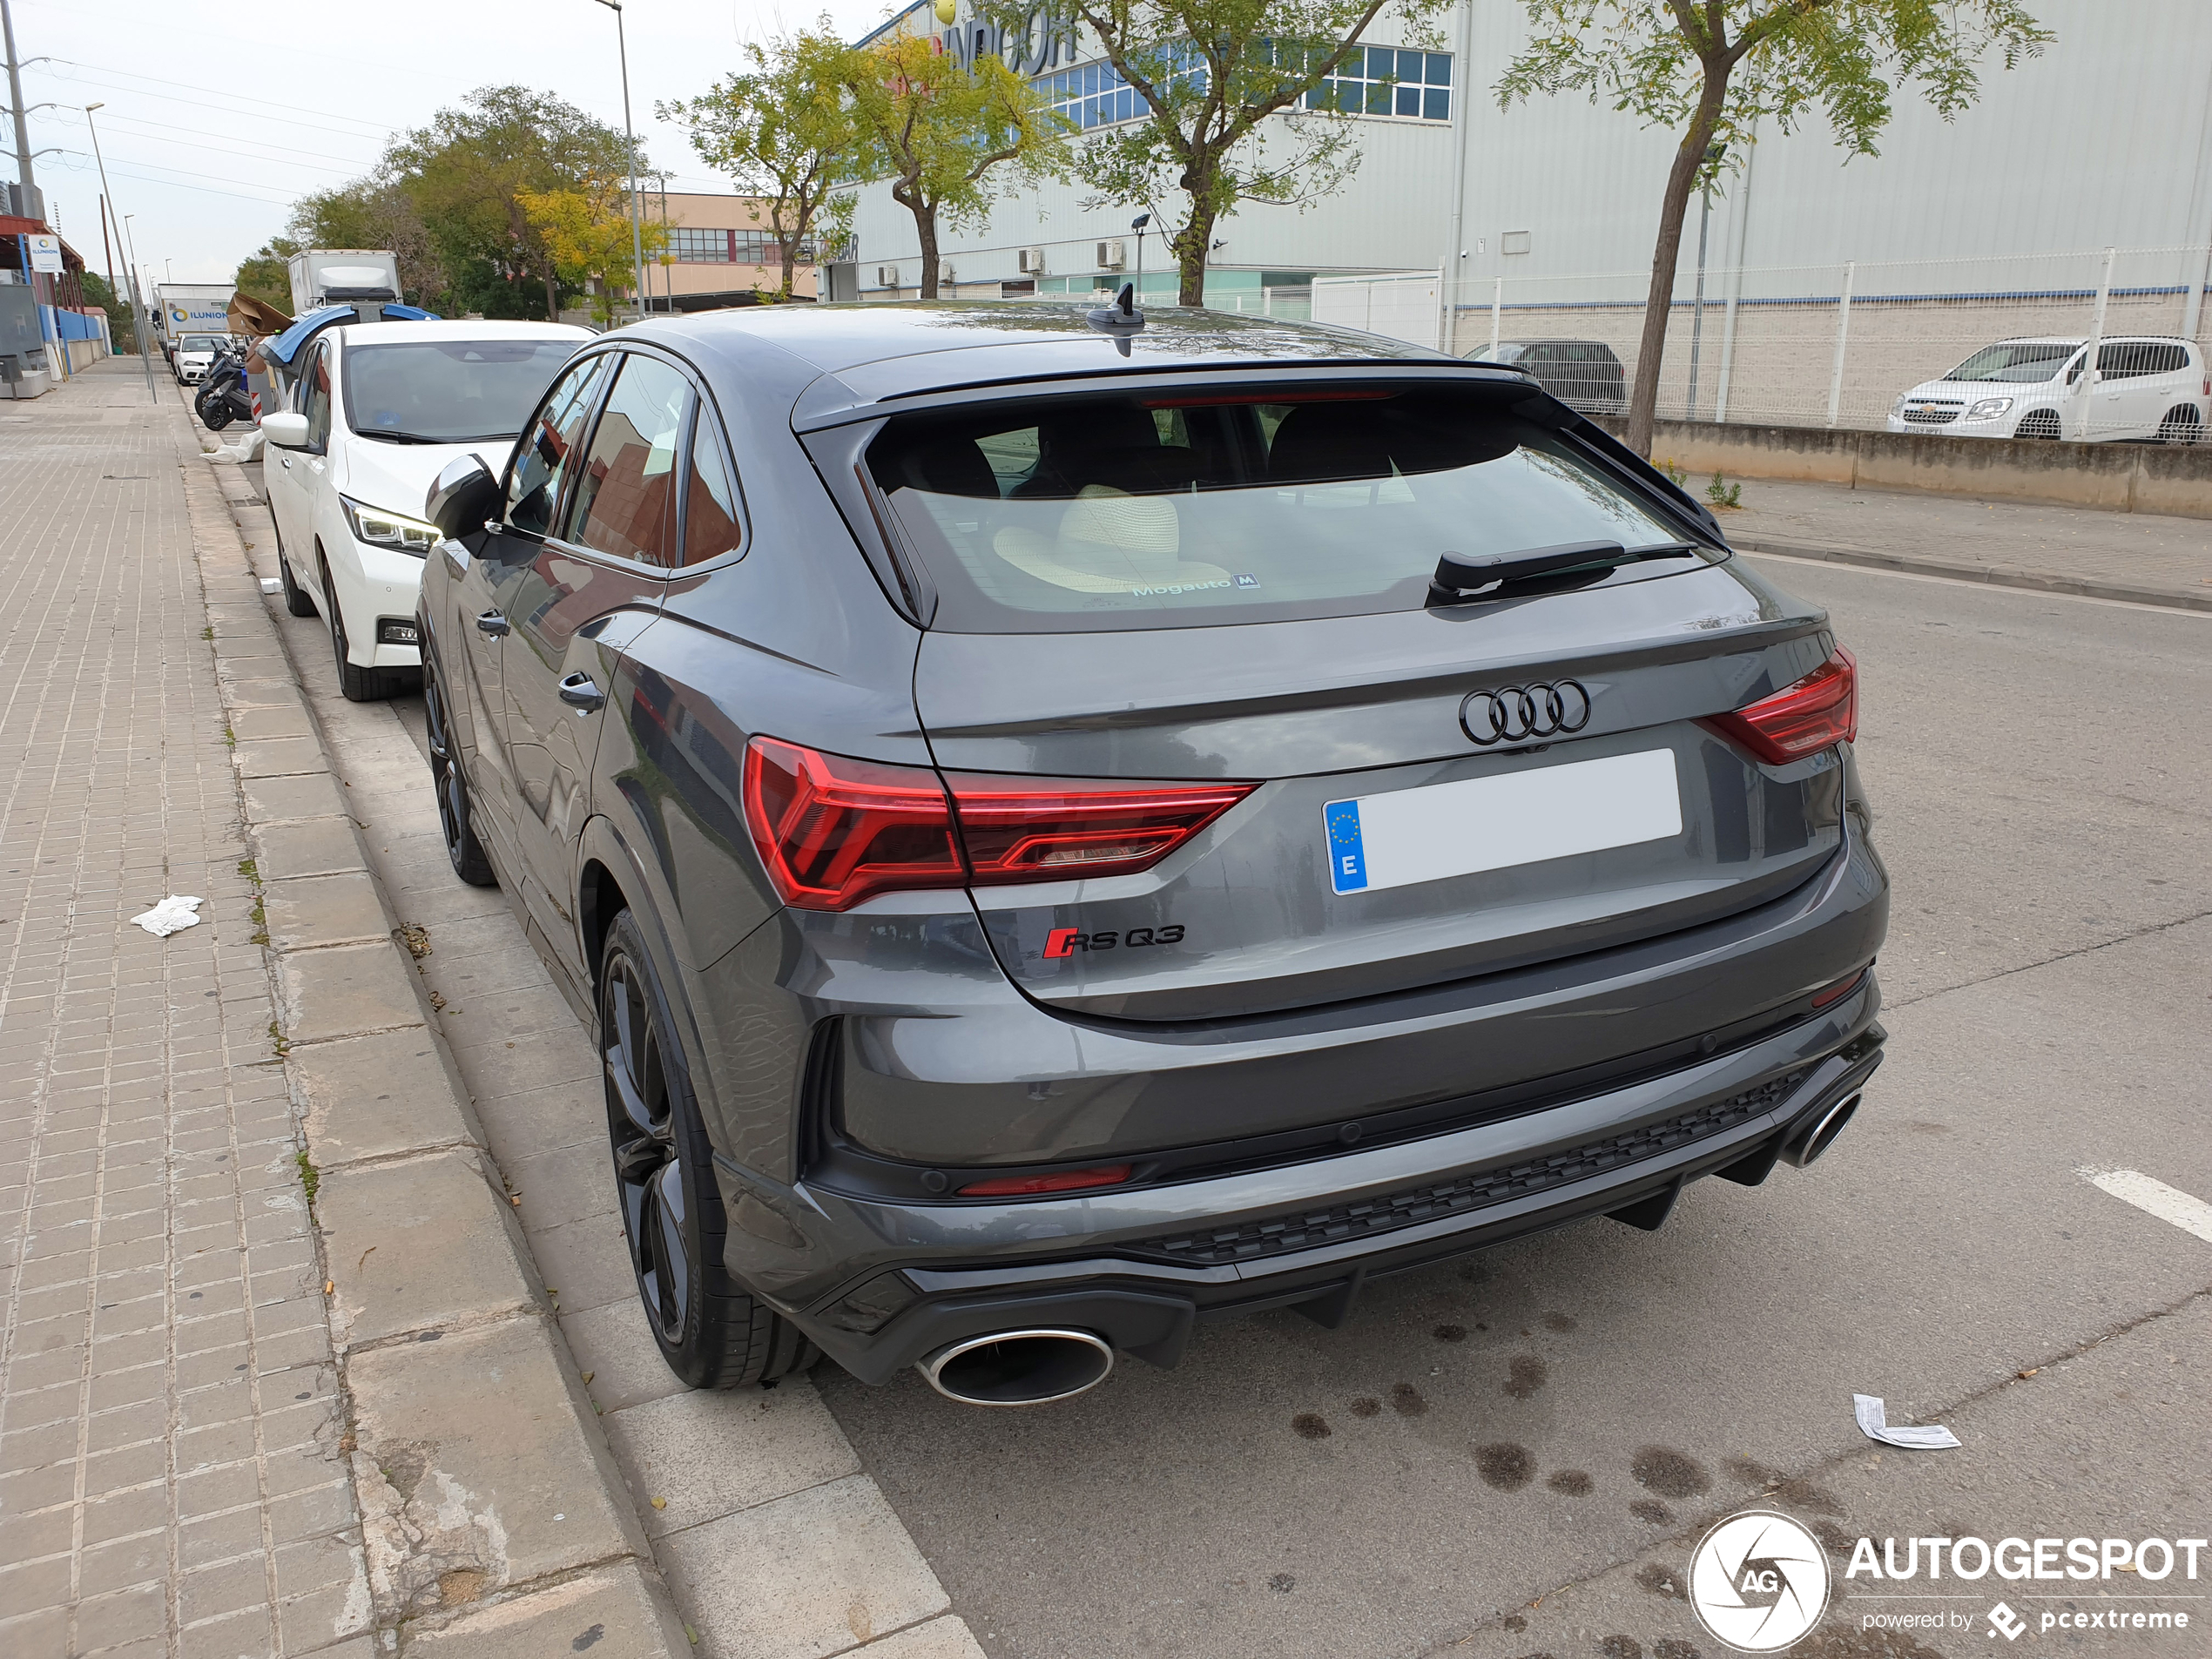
(1824,1133)
(1019,1367)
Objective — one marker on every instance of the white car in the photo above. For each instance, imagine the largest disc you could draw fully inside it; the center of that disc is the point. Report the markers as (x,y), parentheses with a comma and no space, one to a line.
(2147,386)
(195,355)
(378,409)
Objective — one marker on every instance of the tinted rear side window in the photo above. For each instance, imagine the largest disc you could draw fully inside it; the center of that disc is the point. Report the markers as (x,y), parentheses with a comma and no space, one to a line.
(1122,512)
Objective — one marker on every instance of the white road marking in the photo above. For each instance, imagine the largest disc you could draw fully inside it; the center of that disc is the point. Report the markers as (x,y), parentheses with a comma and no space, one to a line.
(2191,1214)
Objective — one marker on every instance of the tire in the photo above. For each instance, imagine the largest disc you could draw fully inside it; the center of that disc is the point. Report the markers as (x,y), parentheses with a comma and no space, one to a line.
(297,600)
(215,416)
(2182,425)
(360,685)
(471,862)
(710,1331)
(2038,423)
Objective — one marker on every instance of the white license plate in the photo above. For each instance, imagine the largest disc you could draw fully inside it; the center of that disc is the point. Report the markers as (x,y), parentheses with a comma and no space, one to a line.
(1411,835)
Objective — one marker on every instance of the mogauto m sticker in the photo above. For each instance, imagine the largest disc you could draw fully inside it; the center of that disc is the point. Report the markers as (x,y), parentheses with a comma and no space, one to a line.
(1758,1582)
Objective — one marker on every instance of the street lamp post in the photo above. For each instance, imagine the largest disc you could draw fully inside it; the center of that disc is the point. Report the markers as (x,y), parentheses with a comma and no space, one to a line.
(138,312)
(637,211)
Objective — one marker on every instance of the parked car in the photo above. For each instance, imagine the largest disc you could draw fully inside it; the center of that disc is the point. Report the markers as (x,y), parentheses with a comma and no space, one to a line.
(2146,387)
(379,409)
(1583,374)
(1063,828)
(194,353)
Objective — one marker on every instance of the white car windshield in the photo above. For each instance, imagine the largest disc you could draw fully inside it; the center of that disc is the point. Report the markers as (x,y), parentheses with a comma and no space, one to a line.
(2022,361)
(200,342)
(448,391)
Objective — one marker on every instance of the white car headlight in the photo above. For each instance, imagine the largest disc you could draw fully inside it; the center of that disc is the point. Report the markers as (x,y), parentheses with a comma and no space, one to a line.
(1988,406)
(394,531)
(1897,408)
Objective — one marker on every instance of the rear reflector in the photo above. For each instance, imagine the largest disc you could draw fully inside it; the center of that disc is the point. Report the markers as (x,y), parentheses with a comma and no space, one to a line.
(833,831)
(1015,1186)
(1815,712)
(1839,990)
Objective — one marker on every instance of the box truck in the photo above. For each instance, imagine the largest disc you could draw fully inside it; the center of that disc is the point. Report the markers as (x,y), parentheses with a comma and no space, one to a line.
(337,276)
(182,309)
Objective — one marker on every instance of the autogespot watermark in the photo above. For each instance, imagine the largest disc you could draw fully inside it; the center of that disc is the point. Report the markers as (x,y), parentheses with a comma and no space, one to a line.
(1759,1583)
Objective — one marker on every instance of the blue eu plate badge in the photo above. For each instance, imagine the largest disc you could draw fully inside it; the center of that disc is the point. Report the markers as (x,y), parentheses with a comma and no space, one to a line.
(1347,859)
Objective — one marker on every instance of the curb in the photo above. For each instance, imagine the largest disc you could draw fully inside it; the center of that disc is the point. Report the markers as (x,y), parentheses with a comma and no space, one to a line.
(494,1520)
(1989,575)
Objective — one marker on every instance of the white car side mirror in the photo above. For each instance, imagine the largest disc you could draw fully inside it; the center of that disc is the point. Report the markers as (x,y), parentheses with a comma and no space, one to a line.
(285,430)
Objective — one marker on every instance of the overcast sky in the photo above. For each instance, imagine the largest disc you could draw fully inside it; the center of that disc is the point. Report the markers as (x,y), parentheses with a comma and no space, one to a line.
(219,117)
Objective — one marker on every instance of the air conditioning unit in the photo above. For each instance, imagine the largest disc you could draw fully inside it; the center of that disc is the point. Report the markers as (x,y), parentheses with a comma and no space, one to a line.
(944,276)
(1032,261)
(1110,257)
(886,276)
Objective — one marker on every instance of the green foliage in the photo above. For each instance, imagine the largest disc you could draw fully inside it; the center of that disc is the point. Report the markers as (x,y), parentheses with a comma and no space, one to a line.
(1713,70)
(937,131)
(1722,494)
(264,277)
(784,130)
(1212,71)
(592,239)
(96,292)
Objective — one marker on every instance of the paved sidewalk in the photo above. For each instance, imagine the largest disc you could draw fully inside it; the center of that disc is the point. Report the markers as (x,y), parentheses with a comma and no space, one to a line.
(170,1477)
(2138,556)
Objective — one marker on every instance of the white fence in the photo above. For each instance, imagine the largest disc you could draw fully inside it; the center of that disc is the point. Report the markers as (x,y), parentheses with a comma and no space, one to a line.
(1836,345)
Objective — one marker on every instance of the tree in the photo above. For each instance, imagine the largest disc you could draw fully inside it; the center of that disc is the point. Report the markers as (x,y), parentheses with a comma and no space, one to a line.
(266,275)
(937,129)
(587,231)
(1674,64)
(466,173)
(783,131)
(1209,73)
(375,211)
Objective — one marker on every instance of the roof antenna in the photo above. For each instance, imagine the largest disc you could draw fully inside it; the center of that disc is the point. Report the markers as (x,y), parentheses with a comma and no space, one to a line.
(1120,318)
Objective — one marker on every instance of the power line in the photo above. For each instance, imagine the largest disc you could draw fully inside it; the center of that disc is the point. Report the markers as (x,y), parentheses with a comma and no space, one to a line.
(267,201)
(197,86)
(221,109)
(197,134)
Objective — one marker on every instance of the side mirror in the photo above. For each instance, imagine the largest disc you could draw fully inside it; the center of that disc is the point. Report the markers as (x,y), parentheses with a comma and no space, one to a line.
(285,430)
(464,495)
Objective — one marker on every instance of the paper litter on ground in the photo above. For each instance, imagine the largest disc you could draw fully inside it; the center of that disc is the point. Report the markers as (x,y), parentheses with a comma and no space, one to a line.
(271,585)
(1874,1423)
(171,915)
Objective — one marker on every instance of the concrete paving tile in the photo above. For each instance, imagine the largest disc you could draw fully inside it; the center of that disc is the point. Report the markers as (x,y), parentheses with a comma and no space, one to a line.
(308,847)
(494,1462)
(419,1244)
(615,1345)
(340,910)
(585,1263)
(613,1608)
(564,1185)
(945,1638)
(271,720)
(277,757)
(345,991)
(824,1569)
(709,1452)
(270,800)
(376,1095)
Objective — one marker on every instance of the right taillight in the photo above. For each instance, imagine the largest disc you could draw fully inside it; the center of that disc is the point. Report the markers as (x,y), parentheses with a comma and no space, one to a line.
(1815,712)
(833,831)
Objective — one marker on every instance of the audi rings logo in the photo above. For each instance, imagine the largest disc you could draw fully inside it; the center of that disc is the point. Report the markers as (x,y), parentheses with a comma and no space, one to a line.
(1519,713)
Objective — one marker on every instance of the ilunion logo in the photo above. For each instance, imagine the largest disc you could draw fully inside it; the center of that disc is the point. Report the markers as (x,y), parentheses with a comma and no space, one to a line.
(1758,1582)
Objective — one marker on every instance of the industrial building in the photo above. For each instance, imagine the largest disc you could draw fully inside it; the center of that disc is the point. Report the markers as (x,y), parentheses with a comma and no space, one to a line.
(1825,279)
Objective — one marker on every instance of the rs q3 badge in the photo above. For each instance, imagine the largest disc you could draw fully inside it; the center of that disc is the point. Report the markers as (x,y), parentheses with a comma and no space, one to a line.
(1066,941)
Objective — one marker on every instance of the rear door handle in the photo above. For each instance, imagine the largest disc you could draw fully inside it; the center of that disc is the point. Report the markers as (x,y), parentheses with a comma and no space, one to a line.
(579,691)
(492,623)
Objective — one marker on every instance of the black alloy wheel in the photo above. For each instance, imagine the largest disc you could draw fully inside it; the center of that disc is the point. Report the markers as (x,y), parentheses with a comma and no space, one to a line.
(2182,425)
(471,862)
(711,1333)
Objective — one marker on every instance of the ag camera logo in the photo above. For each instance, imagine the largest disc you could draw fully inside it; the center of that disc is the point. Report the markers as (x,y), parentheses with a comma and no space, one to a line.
(1758,1582)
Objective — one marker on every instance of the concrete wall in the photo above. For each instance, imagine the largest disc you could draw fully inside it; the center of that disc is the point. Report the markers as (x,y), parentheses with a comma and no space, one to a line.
(2118,477)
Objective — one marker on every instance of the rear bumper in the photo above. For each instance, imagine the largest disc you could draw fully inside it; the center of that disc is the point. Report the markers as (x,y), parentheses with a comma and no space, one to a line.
(1140,1267)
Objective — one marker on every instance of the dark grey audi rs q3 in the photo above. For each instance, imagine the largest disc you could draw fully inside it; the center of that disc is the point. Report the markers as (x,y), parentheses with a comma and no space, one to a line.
(1066,825)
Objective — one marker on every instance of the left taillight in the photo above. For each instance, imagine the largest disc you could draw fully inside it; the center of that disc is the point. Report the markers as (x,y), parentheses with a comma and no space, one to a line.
(833,831)
(1804,717)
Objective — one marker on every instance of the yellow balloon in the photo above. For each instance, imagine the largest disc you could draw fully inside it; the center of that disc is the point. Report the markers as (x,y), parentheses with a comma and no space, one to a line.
(945,10)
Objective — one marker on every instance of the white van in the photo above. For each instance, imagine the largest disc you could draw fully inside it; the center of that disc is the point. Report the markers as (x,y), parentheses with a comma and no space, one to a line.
(2147,386)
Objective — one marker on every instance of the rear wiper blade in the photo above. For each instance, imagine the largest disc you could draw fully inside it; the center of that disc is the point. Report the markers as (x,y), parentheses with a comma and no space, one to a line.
(385,434)
(1463,576)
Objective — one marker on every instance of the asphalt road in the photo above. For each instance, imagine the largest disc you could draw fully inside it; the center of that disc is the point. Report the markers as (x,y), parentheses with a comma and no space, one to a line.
(1555,1422)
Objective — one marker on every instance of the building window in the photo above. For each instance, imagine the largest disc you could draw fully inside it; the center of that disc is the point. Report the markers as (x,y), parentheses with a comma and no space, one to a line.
(1390,80)
(690,247)
(1373,80)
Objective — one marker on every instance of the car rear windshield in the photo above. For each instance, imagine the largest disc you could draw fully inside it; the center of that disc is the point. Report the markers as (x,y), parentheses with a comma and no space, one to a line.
(2017,361)
(449,391)
(1092,513)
